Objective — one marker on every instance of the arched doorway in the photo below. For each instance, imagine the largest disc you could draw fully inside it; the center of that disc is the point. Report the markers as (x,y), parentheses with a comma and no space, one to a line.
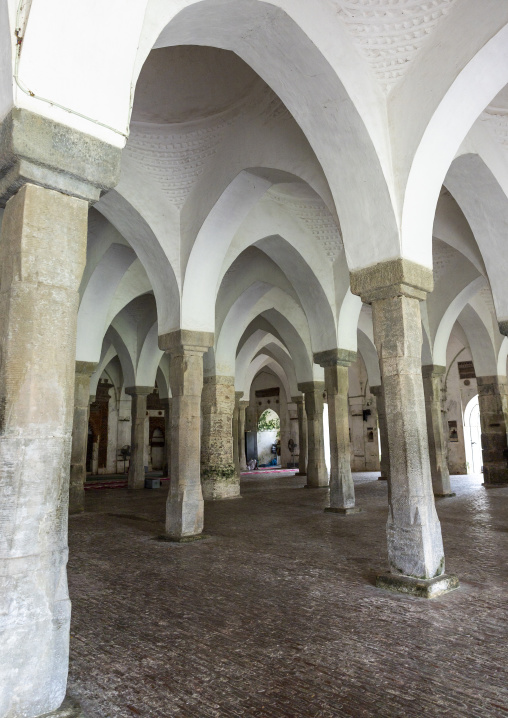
(473,437)
(269,439)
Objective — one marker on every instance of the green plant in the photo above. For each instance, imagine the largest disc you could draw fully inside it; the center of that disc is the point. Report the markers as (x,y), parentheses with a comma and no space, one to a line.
(269,421)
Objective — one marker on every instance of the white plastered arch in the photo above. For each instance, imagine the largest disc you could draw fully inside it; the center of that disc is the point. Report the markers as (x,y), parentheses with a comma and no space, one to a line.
(268,345)
(480,341)
(136,230)
(262,361)
(424,160)
(274,45)
(485,206)
(450,316)
(282,311)
(97,298)
(107,354)
(149,358)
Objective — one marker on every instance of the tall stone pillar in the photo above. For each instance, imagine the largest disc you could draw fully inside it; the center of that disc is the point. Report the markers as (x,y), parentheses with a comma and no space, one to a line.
(342,490)
(302,435)
(377,391)
(218,476)
(493,401)
(236,433)
(317,475)
(136,477)
(184,509)
(415,546)
(84,371)
(167,405)
(48,175)
(42,257)
(241,435)
(432,375)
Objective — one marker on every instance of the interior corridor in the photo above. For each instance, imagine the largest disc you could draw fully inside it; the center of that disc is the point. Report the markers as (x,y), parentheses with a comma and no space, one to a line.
(276,614)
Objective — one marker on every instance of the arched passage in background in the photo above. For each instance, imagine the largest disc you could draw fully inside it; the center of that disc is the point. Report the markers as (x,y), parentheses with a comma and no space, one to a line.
(268,438)
(473,437)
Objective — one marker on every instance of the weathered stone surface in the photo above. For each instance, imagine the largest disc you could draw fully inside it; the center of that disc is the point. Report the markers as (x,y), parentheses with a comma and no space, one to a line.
(317,475)
(219,478)
(395,277)
(184,515)
(342,510)
(42,256)
(415,546)
(40,151)
(432,374)
(243,406)
(335,363)
(302,435)
(168,409)
(430,588)
(136,478)
(70,708)
(377,391)
(493,401)
(174,341)
(236,434)
(84,371)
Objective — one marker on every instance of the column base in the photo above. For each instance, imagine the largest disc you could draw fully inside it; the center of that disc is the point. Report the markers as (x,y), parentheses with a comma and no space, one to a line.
(382,478)
(300,473)
(343,511)
(181,539)
(444,496)
(313,486)
(217,490)
(223,498)
(70,708)
(420,587)
(497,485)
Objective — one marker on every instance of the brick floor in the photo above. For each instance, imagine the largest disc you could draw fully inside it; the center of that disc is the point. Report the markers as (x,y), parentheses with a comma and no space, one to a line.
(276,614)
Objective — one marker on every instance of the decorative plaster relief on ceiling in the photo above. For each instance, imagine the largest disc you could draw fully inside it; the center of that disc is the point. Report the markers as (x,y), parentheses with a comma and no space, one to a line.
(175,155)
(390,34)
(317,220)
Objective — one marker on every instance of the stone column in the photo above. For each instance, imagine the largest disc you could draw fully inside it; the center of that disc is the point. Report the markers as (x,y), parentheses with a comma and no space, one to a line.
(302,435)
(437,450)
(84,371)
(136,477)
(377,391)
(415,546)
(184,509)
(493,401)
(167,405)
(241,435)
(342,490)
(42,257)
(317,475)
(219,479)
(236,433)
